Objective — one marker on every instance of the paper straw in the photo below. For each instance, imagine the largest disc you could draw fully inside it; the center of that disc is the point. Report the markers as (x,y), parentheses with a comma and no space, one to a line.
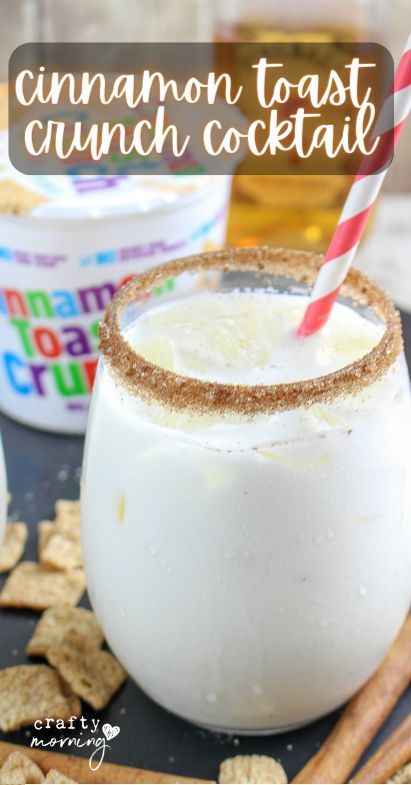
(360,200)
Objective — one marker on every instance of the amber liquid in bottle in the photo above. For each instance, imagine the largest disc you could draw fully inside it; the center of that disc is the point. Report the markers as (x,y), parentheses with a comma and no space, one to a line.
(298,210)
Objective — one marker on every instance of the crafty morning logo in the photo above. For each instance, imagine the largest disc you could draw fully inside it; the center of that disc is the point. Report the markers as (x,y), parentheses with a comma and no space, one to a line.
(258,108)
(78,732)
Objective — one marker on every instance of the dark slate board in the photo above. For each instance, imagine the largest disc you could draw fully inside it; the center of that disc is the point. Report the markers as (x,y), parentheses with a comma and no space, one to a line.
(43,467)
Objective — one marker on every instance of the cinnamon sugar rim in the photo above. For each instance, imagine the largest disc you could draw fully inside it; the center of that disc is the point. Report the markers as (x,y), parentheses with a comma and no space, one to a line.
(178,392)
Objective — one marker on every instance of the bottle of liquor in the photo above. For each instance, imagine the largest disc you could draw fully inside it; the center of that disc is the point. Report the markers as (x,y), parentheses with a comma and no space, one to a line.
(298,210)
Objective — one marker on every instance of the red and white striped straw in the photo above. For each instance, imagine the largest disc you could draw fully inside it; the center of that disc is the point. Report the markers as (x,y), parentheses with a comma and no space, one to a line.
(360,200)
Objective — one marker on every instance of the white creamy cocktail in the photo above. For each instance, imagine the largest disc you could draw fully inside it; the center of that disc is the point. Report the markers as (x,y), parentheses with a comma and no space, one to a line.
(245,492)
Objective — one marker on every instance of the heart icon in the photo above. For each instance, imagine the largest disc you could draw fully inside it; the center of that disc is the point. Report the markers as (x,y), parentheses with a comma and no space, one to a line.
(110,731)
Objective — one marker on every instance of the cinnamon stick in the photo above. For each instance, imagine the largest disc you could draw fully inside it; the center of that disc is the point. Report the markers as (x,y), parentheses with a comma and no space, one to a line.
(363,717)
(394,753)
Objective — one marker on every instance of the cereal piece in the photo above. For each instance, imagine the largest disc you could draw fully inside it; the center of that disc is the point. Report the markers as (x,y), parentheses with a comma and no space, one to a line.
(55,777)
(94,675)
(56,622)
(16,199)
(12,548)
(33,585)
(18,769)
(44,531)
(34,692)
(67,512)
(251,769)
(403,776)
(68,524)
(63,550)
(67,507)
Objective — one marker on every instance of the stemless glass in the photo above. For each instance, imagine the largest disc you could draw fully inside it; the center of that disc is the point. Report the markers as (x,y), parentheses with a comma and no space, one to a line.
(248,548)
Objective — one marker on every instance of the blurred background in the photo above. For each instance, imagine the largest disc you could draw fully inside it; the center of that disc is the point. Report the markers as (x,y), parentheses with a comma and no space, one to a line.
(287,211)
